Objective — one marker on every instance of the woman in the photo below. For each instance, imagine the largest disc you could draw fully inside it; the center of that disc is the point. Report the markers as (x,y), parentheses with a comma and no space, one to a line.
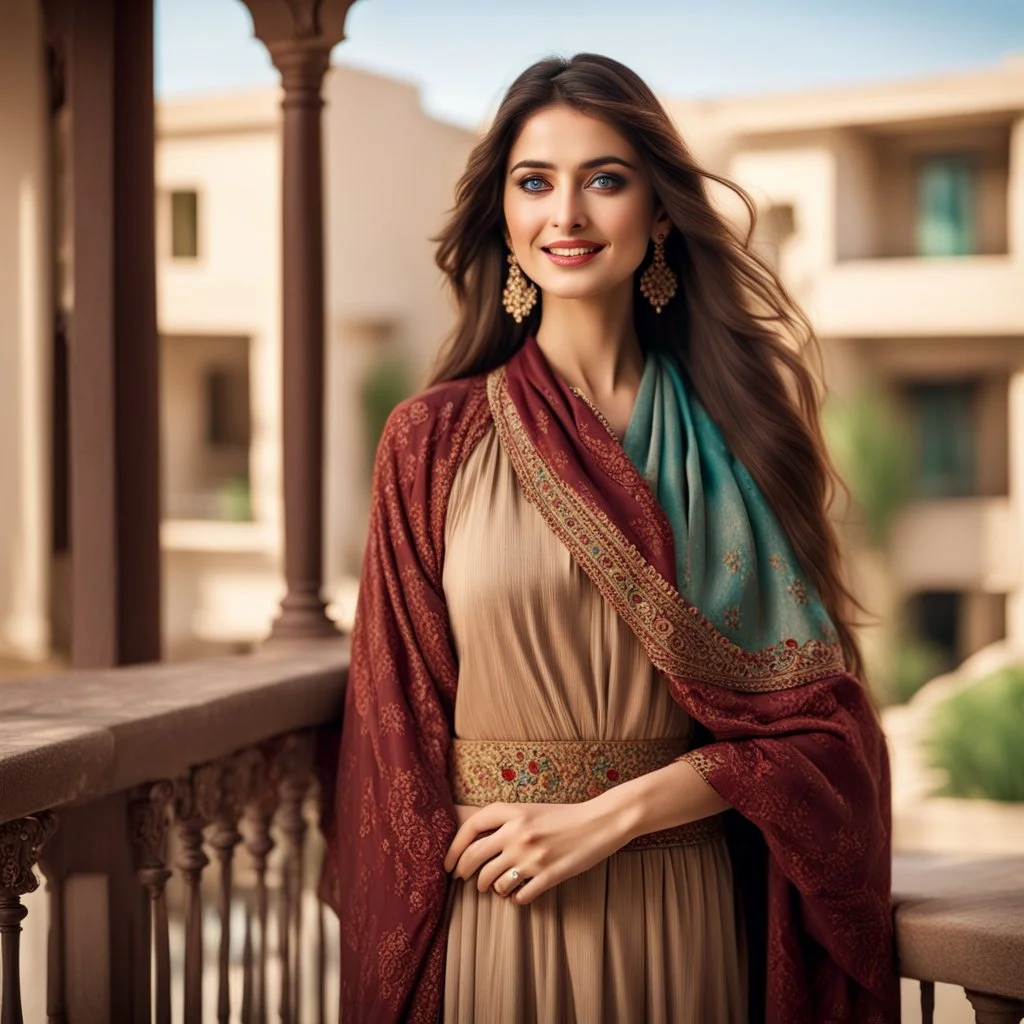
(602,628)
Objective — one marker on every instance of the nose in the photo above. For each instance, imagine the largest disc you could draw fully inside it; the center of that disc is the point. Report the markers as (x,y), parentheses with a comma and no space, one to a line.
(568,213)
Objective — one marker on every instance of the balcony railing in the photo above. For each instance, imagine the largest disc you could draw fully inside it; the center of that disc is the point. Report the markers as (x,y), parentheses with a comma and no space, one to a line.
(169,809)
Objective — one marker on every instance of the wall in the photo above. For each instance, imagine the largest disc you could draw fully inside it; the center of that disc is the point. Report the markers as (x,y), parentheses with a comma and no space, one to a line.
(858,189)
(798,172)
(390,178)
(25,336)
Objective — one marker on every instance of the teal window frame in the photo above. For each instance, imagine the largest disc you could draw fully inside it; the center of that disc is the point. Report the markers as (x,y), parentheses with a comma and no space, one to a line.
(947,196)
(945,419)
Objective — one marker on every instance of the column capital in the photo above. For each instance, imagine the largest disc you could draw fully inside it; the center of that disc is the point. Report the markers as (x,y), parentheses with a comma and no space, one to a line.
(284,24)
(20,843)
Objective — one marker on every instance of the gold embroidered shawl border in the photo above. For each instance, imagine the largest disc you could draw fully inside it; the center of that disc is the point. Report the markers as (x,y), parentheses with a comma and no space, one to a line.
(678,639)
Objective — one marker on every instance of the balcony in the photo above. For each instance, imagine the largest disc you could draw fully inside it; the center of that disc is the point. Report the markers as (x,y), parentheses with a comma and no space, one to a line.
(958,544)
(966,296)
(139,779)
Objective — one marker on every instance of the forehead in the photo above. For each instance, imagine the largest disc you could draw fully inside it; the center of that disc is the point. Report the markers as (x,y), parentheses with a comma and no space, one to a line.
(563,136)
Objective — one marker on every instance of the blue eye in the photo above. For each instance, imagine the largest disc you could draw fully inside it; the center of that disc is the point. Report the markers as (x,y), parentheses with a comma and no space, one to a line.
(610,181)
(527,184)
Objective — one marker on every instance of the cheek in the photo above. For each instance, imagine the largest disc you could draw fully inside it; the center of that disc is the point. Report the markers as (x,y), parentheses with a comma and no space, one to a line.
(520,217)
(628,224)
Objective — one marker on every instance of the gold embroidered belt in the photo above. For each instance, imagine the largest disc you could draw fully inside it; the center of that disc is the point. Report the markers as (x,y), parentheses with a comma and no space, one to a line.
(482,772)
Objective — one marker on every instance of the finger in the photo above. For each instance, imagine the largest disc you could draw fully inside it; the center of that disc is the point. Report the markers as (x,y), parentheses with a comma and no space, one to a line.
(532,889)
(477,854)
(495,874)
(486,819)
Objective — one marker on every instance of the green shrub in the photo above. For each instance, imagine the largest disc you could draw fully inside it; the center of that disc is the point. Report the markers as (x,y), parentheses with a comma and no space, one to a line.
(978,738)
(914,663)
(868,442)
(386,384)
(236,499)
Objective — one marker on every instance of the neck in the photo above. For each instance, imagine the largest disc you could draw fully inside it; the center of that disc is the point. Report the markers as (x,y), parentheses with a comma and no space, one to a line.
(592,344)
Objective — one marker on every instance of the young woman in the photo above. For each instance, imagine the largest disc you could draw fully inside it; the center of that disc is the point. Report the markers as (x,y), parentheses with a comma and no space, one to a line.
(605,756)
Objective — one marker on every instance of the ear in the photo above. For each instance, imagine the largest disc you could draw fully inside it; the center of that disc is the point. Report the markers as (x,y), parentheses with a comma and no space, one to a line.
(662,225)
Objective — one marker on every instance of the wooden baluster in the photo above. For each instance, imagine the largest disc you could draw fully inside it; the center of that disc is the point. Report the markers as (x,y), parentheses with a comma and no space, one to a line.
(20,843)
(989,1009)
(191,861)
(56,995)
(321,965)
(246,1011)
(148,817)
(320,977)
(284,916)
(927,1002)
(296,770)
(223,790)
(260,813)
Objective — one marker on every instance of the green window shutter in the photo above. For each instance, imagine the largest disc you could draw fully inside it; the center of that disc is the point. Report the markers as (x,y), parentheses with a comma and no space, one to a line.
(946,194)
(944,415)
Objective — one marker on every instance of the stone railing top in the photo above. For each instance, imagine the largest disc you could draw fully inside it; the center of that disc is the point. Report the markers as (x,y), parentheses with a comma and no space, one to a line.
(80,735)
(961,921)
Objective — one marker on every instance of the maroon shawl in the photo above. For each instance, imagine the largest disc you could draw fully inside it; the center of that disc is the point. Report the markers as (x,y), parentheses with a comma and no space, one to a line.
(794,744)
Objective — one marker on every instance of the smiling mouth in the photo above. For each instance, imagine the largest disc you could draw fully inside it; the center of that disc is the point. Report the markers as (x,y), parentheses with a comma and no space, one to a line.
(557,250)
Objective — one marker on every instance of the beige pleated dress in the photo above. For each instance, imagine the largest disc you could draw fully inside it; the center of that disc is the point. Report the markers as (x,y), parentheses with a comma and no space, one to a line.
(645,936)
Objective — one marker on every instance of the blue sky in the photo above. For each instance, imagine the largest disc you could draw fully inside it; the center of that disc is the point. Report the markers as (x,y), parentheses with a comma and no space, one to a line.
(464,53)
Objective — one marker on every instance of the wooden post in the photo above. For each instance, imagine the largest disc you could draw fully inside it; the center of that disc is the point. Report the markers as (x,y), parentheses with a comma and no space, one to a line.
(113,353)
(299,35)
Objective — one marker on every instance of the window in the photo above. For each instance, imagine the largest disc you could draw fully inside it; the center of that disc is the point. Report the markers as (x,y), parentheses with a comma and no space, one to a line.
(206,429)
(227,407)
(185,225)
(945,427)
(946,201)
(936,616)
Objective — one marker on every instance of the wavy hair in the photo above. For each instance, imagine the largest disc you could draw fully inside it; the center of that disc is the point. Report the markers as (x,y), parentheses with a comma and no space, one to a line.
(733,327)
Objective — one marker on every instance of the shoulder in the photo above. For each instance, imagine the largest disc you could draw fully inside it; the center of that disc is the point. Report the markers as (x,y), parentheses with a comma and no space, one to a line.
(425,441)
(443,422)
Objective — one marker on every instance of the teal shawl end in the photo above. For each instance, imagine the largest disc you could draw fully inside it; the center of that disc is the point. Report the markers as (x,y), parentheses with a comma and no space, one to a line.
(733,560)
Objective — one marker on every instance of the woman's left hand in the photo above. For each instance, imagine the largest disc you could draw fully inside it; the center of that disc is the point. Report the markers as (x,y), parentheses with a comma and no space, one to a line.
(545,843)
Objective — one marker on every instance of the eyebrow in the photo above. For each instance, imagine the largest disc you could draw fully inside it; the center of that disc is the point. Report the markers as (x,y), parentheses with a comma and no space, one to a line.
(589,165)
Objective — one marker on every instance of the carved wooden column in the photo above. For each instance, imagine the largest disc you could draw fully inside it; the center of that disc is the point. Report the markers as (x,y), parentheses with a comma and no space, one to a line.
(20,843)
(299,35)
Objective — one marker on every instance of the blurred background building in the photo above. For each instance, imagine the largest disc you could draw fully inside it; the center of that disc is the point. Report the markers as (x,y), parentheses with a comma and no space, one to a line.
(218,286)
(895,214)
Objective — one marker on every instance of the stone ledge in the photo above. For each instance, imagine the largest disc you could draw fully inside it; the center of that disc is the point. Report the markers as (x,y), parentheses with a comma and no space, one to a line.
(961,921)
(80,735)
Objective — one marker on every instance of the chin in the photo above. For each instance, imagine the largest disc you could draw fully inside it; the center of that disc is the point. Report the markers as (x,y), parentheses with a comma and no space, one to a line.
(577,289)
(580,291)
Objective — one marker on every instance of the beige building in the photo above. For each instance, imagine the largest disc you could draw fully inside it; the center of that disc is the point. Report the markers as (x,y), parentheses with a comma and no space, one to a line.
(389,177)
(895,213)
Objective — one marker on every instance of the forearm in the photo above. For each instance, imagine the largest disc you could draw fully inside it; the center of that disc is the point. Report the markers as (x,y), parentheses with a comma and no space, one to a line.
(671,796)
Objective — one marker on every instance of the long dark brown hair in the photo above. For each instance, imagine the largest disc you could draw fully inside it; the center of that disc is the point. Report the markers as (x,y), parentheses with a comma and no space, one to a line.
(733,327)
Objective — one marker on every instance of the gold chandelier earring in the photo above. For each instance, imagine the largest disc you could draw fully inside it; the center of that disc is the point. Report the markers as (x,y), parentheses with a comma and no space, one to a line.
(658,283)
(519,295)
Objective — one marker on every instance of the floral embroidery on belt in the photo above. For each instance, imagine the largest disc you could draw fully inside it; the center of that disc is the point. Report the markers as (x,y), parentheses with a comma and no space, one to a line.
(556,771)
(565,771)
